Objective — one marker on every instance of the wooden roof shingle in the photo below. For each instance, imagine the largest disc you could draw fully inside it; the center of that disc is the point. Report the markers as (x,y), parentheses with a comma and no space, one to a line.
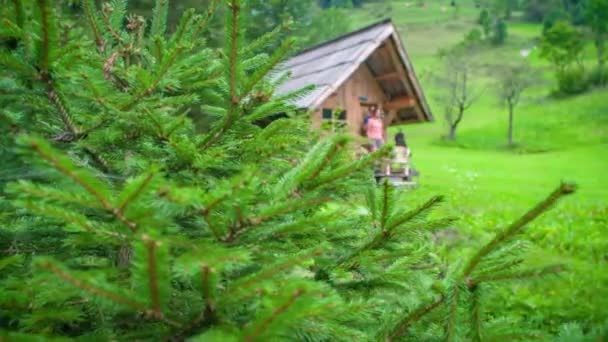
(328,65)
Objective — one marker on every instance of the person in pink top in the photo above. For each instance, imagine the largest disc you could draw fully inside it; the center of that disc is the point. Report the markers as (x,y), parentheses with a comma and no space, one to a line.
(375,130)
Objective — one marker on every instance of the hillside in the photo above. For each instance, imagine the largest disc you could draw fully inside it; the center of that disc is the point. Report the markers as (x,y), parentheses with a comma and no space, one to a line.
(558,139)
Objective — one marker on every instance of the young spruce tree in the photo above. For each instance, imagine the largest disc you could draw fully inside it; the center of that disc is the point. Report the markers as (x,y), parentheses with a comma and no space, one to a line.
(121,220)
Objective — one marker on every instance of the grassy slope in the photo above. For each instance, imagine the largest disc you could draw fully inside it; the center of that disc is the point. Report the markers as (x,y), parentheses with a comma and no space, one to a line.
(488,185)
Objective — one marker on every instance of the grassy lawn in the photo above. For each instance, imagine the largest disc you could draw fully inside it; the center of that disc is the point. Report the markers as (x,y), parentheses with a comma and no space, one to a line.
(488,185)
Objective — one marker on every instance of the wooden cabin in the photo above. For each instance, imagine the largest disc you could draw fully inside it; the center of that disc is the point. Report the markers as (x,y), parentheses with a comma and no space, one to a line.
(368,66)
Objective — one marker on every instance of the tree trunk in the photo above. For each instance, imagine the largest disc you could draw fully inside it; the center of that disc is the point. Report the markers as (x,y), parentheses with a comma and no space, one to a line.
(452,135)
(510,124)
(600,45)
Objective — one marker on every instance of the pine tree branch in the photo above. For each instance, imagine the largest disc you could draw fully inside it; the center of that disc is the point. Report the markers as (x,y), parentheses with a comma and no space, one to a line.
(18,12)
(272,271)
(159,18)
(44,17)
(515,337)
(452,314)
(499,268)
(262,72)
(87,4)
(216,233)
(36,191)
(204,22)
(71,219)
(206,286)
(151,246)
(287,208)
(235,8)
(412,318)
(518,275)
(208,311)
(385,203)
(414,213)
(563,190)
(278,311)
(123,205)
(104,202)
(386,234)
(247,224)
(476,314)
(101,163)
(57,101)
(87,287)
(430,225)
(150,89)
(348,169)
(334,148)
(106,20)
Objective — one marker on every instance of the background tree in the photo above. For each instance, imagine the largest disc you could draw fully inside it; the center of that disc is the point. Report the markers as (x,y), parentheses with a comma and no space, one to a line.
(536,10)
(563,46)
(458,92)
(512,82)
(485,21)
(596,17)
(500,32)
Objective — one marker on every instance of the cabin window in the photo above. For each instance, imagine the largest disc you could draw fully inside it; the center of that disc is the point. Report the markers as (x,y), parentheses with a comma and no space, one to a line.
(333,120)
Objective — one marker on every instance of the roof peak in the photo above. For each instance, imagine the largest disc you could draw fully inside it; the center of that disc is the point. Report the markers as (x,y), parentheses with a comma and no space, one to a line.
(349,34)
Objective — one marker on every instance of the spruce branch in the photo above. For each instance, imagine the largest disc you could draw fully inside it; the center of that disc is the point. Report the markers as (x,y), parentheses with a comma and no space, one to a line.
(159,18)
(429,225)
(136,192)
(205,20)
(74,219)
(277,56)
(73,133)
(563,190)
(407,217)
(453,313)
(208,311)
(386,192)
(263,40)
(509,337)
(271,271)
(346,170)
(182,27)
(87,287)
(157,79)
(18,6)
(412,318)
(235,8)
(45,51)
(214,230)
(151,246)
(518,275)
(53,194)
(106,19)
(278,311)
(476,313)
(89,10)
(60,165)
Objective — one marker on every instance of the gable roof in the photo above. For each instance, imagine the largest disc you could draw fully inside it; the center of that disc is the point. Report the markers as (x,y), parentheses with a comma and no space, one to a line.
(328,65)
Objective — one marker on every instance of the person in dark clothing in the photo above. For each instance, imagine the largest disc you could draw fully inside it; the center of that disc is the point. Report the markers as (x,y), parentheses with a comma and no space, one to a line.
(400,139)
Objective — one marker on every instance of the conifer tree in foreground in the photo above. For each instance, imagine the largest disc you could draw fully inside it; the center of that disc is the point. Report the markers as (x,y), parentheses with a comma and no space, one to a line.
(132,224)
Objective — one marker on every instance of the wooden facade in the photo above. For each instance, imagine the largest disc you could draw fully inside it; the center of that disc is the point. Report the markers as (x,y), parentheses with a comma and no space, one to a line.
(360,90)
(368,66)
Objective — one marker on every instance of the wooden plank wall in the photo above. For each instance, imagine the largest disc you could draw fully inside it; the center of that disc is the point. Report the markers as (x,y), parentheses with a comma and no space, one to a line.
(361,83)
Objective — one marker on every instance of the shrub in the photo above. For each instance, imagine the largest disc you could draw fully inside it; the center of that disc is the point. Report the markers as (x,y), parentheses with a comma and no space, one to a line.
(598,76)
(572,81)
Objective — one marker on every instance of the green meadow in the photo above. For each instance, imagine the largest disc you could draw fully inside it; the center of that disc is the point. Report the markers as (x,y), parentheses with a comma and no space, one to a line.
(488,185)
